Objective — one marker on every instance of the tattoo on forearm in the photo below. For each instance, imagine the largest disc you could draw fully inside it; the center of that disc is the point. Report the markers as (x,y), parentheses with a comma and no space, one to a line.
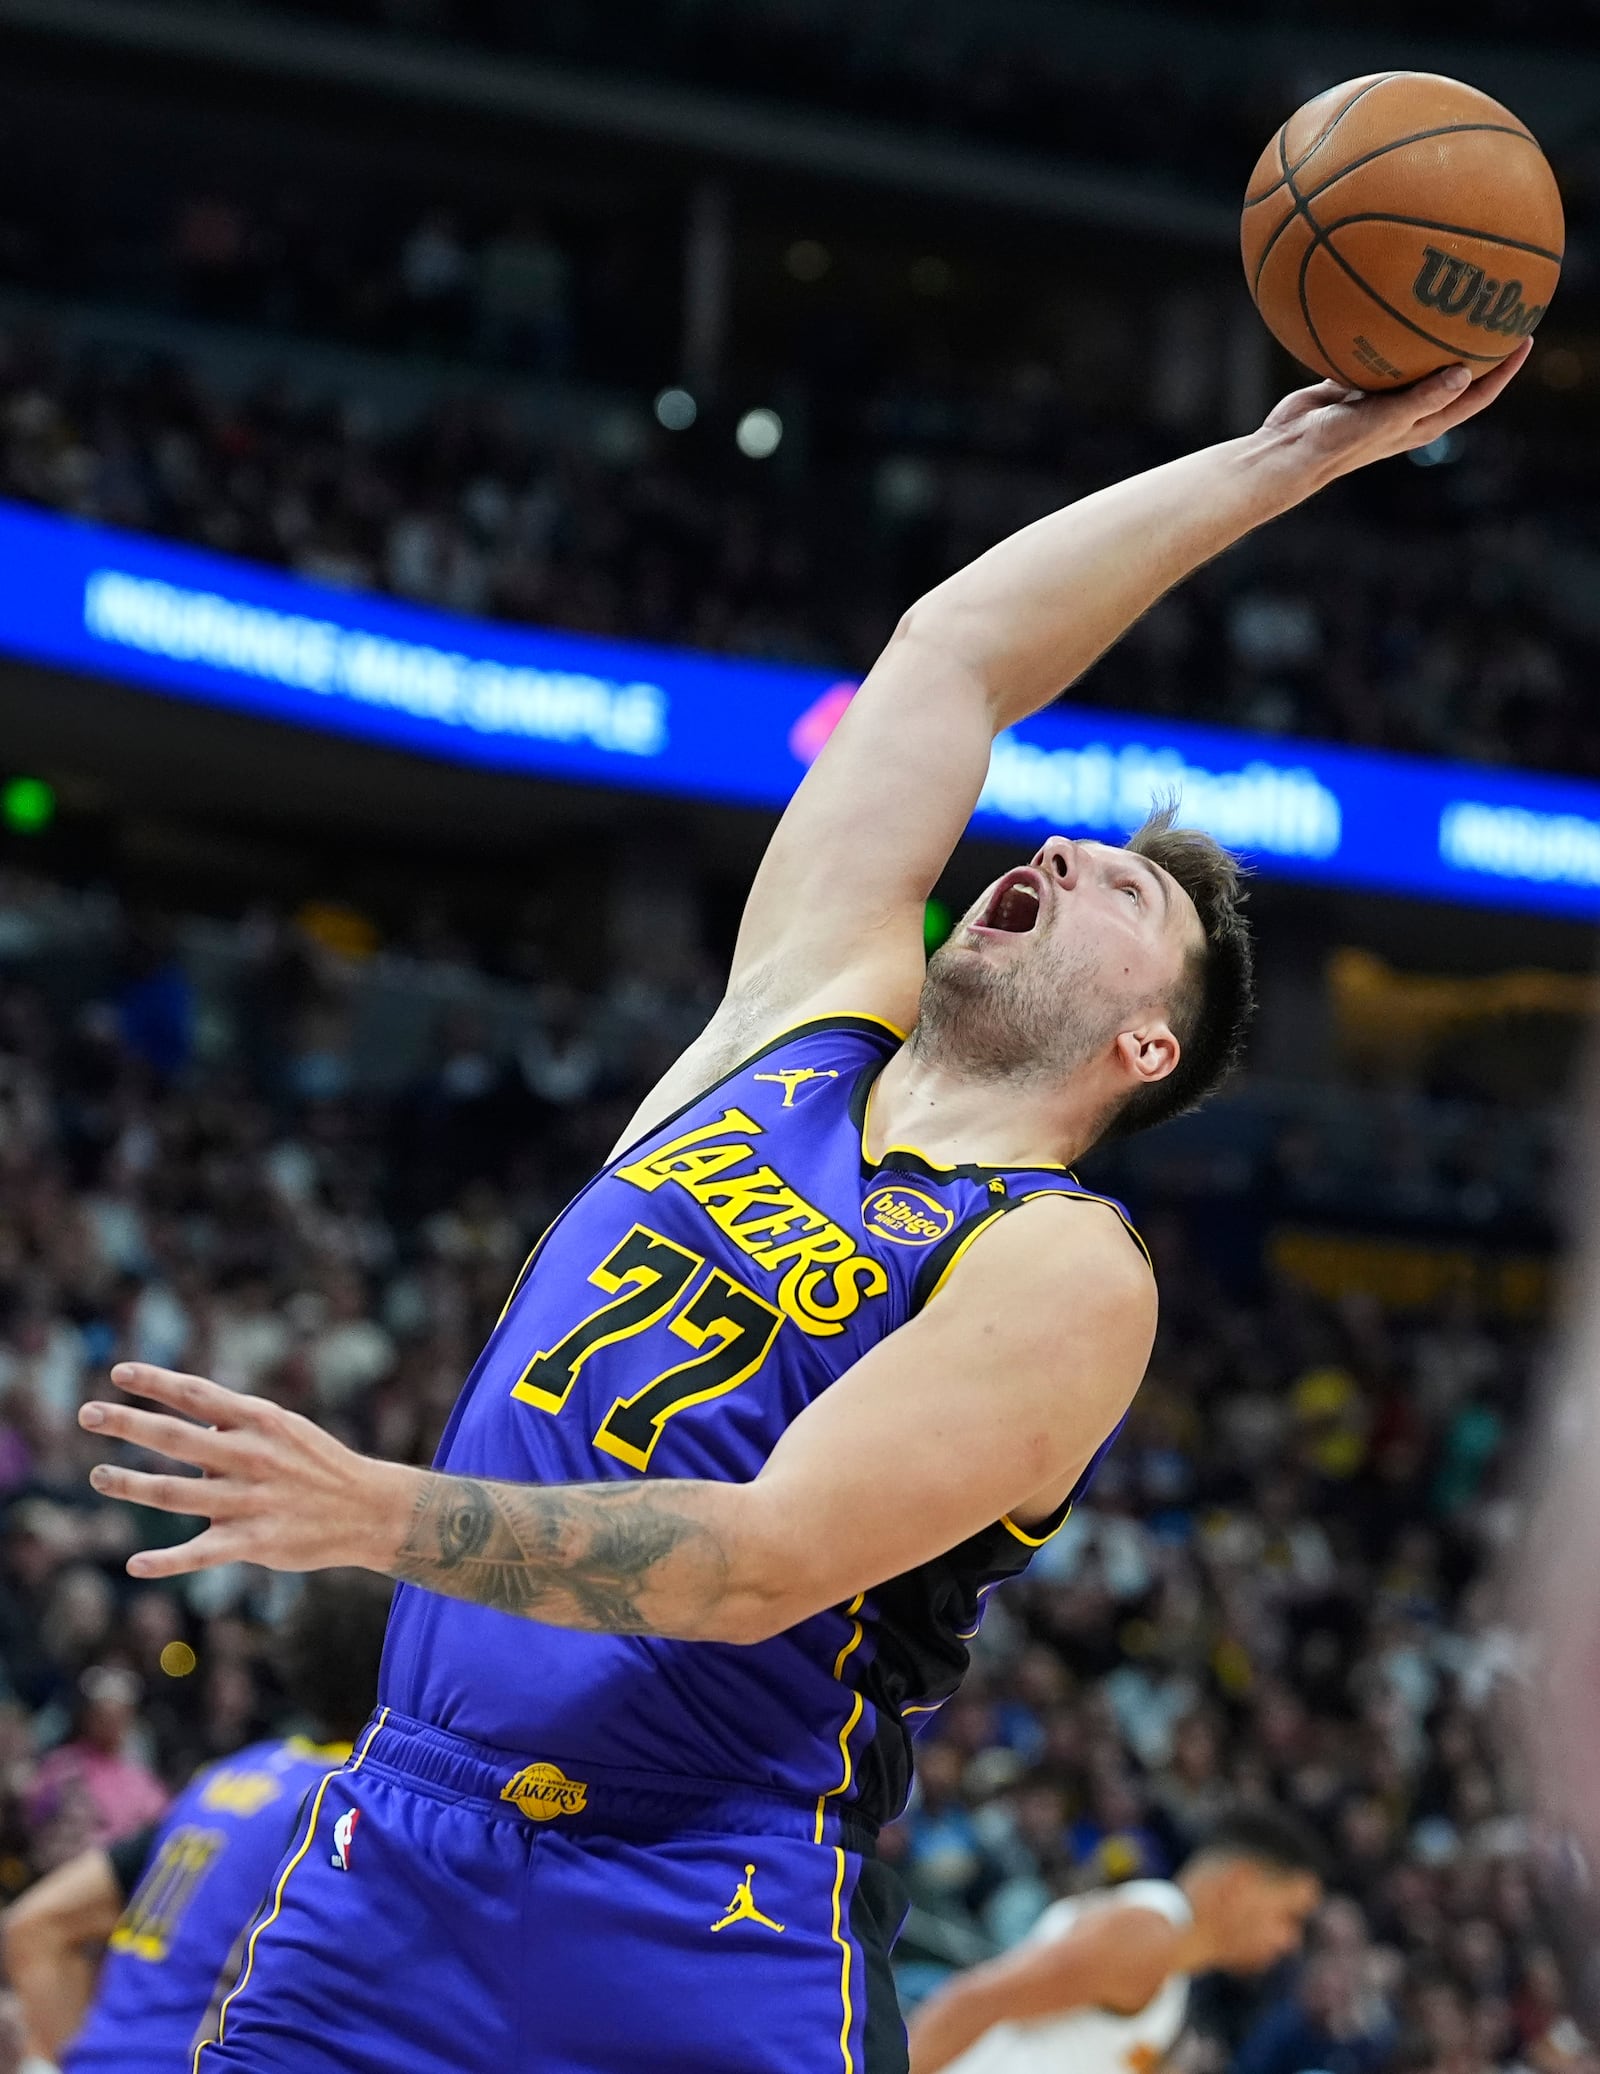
(621,1559)
(466,1520)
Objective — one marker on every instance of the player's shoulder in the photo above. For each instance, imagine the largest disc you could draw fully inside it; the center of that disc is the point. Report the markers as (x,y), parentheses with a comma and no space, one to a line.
(1052,1293)
(1116,1913)
(1083,1223)
(1066,1245)
(253,1777)
(298,1753)
(1161,1897)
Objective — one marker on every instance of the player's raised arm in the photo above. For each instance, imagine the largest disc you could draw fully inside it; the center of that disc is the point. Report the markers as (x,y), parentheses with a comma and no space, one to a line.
(1017,1371)
(834,917)
(1116,1959)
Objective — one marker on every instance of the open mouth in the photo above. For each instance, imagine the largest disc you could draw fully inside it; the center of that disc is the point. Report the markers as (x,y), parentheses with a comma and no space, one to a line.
(1014,904)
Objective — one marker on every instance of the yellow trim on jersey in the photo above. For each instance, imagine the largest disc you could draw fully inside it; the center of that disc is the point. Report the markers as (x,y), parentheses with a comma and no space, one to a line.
(319,1753)
(843,1943)
(1033,1540)
(283,1880)
(839,1015)
(960,1253)
(627,1146)
(845,1733)
(962,1635)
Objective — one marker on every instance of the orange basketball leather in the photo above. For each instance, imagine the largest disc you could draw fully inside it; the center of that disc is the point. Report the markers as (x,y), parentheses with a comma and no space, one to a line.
(1400,222)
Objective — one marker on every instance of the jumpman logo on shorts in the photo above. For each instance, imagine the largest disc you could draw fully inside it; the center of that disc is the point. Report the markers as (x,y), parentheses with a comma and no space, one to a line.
(792,1077)
(742,1908)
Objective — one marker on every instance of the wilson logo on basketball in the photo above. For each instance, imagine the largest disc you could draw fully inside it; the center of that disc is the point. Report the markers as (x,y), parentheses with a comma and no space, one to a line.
(906,1216)
(1457,288)
(543,1791)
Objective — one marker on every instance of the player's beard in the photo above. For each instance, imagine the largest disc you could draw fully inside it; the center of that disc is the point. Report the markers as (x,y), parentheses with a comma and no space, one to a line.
(1020,1020)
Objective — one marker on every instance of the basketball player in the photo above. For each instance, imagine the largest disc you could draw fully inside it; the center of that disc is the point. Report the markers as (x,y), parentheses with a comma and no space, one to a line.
(167,1904)
(817,1359)
(1102,1983)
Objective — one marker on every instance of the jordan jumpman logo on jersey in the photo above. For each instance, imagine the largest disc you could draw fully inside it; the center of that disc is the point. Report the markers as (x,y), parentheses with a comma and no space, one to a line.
(792,1077)
(742,1908)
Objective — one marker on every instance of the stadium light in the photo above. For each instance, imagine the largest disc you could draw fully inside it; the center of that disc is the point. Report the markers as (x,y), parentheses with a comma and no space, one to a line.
(1447,447)
(676,410)
(758,433)
(27,805)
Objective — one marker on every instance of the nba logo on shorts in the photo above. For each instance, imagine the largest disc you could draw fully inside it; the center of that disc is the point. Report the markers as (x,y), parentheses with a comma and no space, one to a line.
(343,1831)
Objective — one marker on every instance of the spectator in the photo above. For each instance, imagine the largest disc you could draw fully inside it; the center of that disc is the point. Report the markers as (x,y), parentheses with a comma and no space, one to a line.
(91,1788)
(1333,2017)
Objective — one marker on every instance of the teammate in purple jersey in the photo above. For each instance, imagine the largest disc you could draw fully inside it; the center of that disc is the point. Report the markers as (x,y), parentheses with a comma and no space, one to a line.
(822,1354)
(116,1954)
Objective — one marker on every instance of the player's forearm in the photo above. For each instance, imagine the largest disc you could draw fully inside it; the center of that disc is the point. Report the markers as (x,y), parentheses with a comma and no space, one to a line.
(54,1982)
(1032,614)
(674,1557)
(952,2020)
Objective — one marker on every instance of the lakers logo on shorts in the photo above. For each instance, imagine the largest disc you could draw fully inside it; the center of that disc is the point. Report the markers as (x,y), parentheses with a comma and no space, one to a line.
(907,1216)
(543,1791)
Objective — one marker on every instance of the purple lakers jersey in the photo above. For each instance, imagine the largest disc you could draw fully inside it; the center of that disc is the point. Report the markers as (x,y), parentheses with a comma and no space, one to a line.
(682,1311)
(210,1864)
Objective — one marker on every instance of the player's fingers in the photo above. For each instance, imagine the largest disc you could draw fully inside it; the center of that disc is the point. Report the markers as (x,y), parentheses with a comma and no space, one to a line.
(1423,402)
(1487,388)
(200,1497)
(202,1446)
(194,1395)
(205,1552)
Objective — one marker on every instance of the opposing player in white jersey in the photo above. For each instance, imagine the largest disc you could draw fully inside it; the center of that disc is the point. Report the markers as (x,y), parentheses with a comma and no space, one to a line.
(1101,1985)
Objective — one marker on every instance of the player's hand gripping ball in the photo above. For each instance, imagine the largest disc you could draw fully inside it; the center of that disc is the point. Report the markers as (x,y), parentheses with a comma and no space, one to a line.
(1399,223)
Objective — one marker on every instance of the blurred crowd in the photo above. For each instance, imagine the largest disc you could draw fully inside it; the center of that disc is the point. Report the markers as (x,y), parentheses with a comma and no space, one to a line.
(936,380)
(1279,1588)
(495,284)
(1012,77)
(1447,609)
(212,1155)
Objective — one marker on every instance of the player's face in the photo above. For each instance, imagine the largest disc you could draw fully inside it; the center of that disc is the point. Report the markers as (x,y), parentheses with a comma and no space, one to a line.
(1266,1913)
(1056,958)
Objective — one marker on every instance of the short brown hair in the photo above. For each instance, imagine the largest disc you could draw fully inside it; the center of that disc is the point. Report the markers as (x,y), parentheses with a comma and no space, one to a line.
(1271,1836)
(1215,1000)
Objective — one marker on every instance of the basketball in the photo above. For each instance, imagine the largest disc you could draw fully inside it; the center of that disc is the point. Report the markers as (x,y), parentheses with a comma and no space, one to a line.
(1397,224)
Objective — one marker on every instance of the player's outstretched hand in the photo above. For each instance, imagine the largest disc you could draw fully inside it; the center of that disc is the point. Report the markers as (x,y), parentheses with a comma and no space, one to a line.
(274,1488)
(1336,429)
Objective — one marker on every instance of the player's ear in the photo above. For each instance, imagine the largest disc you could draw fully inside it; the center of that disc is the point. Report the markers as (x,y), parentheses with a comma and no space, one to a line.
(1149,1053)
